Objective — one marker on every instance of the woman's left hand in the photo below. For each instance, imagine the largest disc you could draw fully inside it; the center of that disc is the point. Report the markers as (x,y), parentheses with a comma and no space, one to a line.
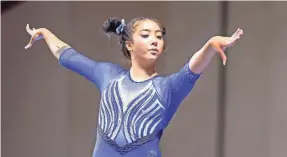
(219,43)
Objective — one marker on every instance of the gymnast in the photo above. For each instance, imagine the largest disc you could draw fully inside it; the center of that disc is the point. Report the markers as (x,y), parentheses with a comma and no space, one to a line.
(136,104)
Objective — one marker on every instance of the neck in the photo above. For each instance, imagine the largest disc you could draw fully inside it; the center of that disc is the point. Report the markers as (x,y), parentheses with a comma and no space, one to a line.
(142,72)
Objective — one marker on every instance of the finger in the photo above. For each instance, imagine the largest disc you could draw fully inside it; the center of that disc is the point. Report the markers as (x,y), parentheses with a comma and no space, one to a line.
(240,33)
(27,26)
(29,44)
(32,40)
(234,34)
(222,54)
(232,41)
(29,30)
(237,36)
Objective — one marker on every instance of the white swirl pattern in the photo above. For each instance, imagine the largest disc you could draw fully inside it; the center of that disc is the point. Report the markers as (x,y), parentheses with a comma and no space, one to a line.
(138,117)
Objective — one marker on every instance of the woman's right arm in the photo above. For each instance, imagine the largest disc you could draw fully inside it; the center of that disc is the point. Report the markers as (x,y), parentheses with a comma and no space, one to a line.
(55,45)
(73,60)
(67,56)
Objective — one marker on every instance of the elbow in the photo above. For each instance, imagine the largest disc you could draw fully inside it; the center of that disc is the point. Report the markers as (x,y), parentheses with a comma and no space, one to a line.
(65,55)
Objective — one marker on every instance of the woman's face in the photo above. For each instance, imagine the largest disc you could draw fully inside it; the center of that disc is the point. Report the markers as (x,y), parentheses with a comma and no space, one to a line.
(147,41)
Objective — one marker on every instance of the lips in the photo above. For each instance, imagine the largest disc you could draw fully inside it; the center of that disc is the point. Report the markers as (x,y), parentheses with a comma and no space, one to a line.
(153,49)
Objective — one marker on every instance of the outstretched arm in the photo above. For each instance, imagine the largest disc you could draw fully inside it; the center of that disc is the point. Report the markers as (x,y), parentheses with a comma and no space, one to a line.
(217,44)
(182,82)
(75,61)
(67,56)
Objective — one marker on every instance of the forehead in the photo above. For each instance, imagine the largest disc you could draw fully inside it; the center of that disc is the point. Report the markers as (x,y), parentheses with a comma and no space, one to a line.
(146,24)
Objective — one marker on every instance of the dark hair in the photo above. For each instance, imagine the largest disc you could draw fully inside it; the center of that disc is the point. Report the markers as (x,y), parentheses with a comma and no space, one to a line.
(112,24)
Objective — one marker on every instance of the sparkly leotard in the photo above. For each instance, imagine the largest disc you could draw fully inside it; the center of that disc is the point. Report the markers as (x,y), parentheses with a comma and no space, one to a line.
(132,115)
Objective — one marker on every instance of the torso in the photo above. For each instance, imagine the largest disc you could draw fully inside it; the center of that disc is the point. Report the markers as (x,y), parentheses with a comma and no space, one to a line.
(131,115)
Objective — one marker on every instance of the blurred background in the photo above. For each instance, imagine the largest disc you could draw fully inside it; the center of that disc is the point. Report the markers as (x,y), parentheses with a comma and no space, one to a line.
(233,111)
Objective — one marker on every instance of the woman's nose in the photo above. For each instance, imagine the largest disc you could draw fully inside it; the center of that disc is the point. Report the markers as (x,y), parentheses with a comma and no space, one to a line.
(154,41)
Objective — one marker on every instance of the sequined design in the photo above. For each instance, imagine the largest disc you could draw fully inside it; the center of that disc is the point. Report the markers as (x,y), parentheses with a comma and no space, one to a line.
(139,119)
(128,147)
(132,115)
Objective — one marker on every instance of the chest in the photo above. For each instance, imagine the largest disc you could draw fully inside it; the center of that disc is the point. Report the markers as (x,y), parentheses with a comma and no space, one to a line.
(131,105)
(132,98)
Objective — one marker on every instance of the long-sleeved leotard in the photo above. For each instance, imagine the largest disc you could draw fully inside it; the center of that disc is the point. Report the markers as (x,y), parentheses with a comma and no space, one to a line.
(132,115)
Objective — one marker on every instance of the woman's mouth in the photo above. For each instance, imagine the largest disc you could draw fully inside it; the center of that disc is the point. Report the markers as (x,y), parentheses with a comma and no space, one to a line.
(153,51)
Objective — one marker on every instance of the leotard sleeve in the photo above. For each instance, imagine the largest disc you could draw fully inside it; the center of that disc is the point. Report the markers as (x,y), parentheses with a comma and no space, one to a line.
(181,83)
(100,73)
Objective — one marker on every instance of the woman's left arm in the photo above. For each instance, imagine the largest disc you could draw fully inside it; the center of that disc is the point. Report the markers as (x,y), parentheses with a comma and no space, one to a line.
(200,60)
(182,82)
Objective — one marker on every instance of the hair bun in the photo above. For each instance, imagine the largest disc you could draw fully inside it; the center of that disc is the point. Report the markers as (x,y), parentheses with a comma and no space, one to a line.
(111,25)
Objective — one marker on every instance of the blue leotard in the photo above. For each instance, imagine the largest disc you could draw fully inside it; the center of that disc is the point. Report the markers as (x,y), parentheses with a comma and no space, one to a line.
(132,115)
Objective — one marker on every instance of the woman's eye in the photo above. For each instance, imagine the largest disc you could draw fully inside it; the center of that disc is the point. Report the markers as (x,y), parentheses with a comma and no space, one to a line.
(144,35)
(159,37)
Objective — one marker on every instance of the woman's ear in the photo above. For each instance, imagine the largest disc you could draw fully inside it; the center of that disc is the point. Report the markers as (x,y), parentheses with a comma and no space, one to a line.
(129,46)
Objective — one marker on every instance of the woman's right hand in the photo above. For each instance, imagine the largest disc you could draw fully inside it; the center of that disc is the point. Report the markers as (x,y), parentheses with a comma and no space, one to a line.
(36,34)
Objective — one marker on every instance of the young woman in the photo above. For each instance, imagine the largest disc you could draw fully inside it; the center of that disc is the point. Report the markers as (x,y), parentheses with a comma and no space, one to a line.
(136,104)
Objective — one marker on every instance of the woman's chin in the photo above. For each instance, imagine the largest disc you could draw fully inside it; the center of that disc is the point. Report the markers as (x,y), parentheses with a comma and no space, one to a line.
(152,58)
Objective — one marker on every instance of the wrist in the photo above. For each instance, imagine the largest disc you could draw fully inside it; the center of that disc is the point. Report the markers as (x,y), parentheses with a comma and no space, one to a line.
(211,43)
(44,32)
